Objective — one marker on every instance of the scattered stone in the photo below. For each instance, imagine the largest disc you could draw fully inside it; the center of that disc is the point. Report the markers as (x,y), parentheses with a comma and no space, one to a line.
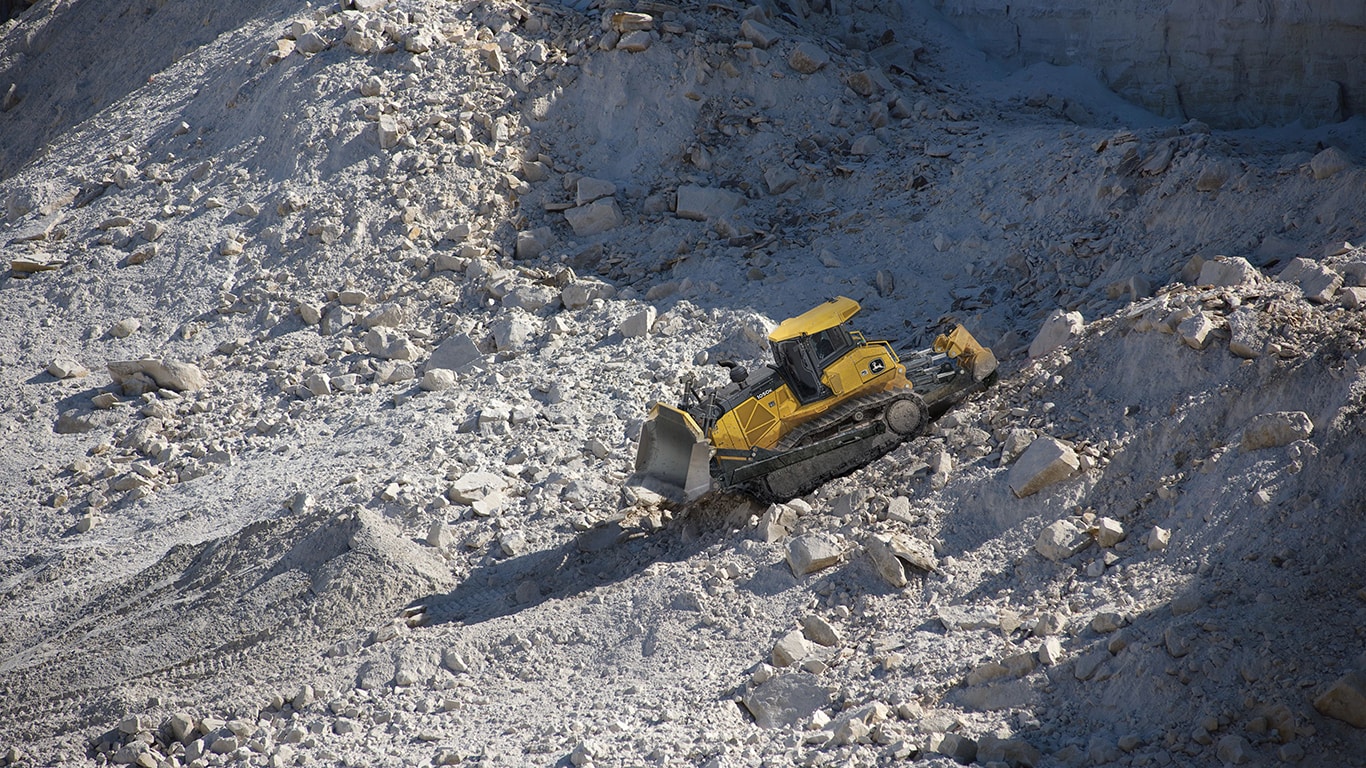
(437,380)
(1345,700)
(1050,652)
(1247,337)
(966,618)
(777,522)
(790,649)
(635,42)
(312,42)
(588,189)
(1046,461)
(1233,750)
(962,749)
(762,35)
(66,368)
(787,700)
(581,293)
(993,750)
(780,179)
(1272,430)
(807,58)
(181,726)
(1059,328)
(1060,541)
(457,353)
(1213,176)
(1158,538)
(1319,283)
(125,328)
(1106,622)
(628,21)
(319,384)
(702,203)
(1109,532)
(638,324)
(1329,162)
(1228,272)
(387,131)
(165,374)
(1353,298)
(390,345)
(595,218)
(820,631)
(812,552)
(1195,330)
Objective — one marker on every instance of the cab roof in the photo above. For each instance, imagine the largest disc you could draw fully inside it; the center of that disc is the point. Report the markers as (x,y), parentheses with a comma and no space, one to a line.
(823,317)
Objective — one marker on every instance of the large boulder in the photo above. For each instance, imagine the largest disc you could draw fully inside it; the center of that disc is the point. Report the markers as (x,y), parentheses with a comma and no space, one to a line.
(702,203)
(1058,329)
(787,700)
(1046,461)
(1228,271)
(167,374)
(1271,430)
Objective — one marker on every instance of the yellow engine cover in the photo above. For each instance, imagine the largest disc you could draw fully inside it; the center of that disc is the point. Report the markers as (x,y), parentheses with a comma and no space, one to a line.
(764,419)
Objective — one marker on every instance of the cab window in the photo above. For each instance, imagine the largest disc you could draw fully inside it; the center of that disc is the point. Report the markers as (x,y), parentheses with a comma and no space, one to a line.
(831,343)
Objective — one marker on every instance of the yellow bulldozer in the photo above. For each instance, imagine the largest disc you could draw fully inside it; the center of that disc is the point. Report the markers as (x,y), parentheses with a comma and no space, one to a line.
(830,402)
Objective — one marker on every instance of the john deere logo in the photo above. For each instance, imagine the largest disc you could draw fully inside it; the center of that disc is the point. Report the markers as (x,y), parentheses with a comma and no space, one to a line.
(877,366)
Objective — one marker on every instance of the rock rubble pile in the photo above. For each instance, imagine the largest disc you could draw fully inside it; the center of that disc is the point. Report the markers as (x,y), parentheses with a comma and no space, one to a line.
(329,340)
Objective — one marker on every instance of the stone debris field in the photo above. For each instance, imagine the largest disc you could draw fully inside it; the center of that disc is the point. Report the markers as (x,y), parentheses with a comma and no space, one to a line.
(328,331)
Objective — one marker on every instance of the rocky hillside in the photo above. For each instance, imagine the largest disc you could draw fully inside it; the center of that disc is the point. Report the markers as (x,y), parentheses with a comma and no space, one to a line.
(328,335)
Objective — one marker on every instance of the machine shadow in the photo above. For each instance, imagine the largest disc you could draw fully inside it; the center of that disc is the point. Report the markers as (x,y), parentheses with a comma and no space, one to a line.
(608,553)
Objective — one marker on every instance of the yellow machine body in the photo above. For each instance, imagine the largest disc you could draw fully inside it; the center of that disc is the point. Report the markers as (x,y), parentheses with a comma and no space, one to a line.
(821,369)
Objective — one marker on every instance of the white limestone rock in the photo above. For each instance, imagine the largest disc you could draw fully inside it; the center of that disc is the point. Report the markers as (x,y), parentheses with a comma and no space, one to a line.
(1228,272)
(1109,532)
(534,242)
(1195,330)
(1050,652)
(787,700)
(457,353)
(1061,540)
(1320,283)
(762,35)
(1059,328)
(638,324)
(812,552)
(703,203)
(167,374)
(1158,538)
(1247,335)
(1329,162)
(390,345)
(588,189)
(807,58)
(777,522)
(595,218)
(1046,461)
(790,649)
(1272,430)
(437,380)
(66,368)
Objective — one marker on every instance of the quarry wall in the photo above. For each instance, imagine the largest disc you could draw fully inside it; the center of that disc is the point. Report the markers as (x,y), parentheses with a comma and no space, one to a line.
(1229,63)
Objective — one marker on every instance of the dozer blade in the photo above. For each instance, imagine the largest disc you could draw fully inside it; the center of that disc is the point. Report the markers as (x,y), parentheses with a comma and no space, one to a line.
(674,457)
(971,356)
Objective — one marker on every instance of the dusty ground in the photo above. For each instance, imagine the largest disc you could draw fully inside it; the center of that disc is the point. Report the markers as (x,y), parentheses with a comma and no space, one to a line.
(296,553)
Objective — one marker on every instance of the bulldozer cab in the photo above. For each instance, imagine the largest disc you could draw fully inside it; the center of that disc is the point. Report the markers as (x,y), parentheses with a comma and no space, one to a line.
(804,346)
